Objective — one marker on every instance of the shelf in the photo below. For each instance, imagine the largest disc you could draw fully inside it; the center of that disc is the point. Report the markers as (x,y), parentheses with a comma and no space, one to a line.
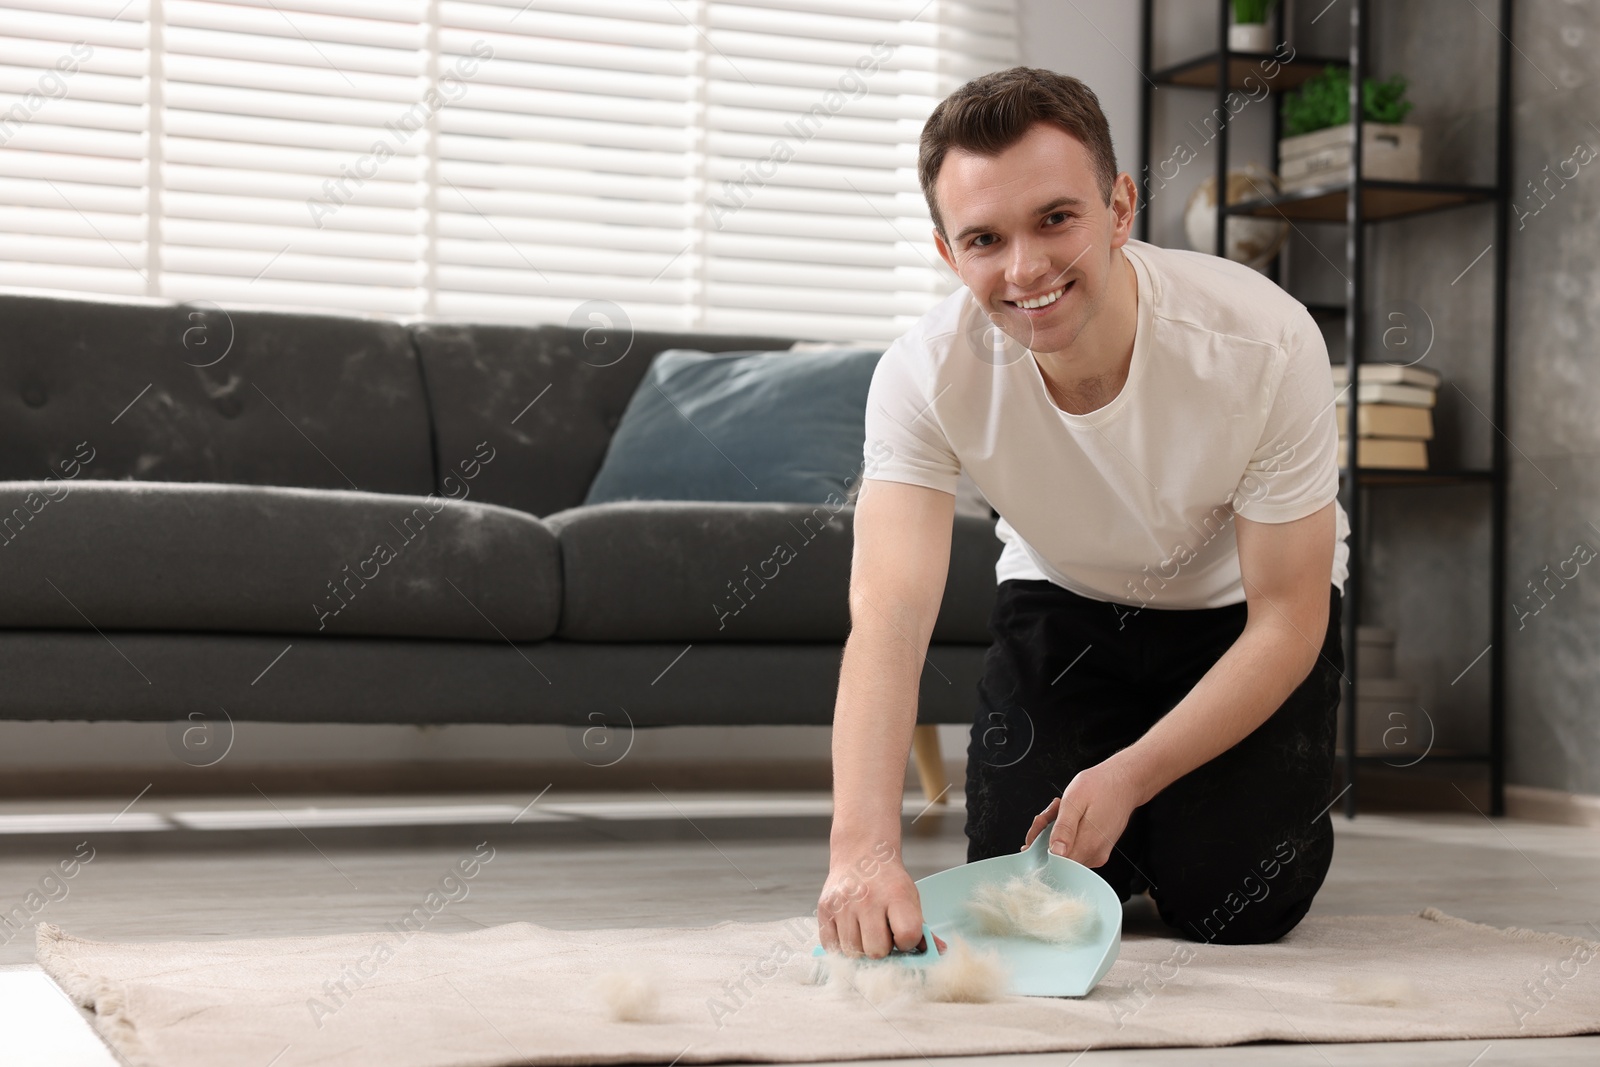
(1200,72)
(1392,476)
(1380,200)
(1338,194)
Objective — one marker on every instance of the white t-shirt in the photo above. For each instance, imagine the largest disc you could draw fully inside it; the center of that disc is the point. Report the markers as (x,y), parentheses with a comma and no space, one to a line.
(1228,409)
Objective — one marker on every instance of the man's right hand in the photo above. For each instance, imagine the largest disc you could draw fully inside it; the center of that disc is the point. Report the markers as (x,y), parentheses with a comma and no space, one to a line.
(869,905)
(902,534)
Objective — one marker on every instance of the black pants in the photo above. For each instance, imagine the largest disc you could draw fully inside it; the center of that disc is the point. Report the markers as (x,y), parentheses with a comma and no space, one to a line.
(1233,851)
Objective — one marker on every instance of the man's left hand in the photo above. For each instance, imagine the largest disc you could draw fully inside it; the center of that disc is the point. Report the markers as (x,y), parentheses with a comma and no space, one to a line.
(1090,816)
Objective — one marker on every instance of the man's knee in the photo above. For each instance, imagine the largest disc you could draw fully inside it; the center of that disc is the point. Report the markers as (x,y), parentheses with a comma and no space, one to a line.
(1256,923)
(1261,906)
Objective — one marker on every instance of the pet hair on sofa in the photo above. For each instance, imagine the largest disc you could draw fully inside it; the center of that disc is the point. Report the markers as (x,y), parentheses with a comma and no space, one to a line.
(1026,905)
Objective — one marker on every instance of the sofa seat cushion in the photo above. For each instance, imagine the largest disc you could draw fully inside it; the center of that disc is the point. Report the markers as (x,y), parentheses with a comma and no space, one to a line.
(664,570)
(113,555)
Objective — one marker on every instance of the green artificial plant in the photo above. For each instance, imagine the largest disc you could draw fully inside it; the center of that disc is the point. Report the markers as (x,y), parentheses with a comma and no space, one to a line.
(1252,10)
(1324,100)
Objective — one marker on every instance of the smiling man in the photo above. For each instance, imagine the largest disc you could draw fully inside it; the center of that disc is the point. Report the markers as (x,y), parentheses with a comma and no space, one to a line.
(1156,430)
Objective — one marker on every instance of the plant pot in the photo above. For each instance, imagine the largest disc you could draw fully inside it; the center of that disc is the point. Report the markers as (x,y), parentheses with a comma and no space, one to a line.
(1249,37)
(1391,152)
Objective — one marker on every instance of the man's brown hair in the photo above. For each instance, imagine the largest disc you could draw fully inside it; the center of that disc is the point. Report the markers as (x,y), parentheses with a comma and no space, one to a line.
(990,113)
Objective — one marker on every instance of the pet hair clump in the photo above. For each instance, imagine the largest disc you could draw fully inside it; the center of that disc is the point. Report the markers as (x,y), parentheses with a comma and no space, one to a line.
(627,996)
(962,974)
(966,975)
(1025,905)
(1380,991)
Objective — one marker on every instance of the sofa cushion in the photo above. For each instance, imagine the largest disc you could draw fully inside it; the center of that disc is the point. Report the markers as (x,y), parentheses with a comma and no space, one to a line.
(604,690)
(692,571)
(969,498)
(545,398)
(744,426)
(197,393)
(256,559)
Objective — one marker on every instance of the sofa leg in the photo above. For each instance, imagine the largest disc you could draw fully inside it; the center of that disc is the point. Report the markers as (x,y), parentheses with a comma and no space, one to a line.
(930,764)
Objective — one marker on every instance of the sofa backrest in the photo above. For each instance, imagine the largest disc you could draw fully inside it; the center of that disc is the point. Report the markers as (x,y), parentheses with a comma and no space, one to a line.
(158,391)
(545,398)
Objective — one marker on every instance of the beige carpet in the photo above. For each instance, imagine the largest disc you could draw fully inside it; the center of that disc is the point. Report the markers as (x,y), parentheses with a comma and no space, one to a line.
(739,991)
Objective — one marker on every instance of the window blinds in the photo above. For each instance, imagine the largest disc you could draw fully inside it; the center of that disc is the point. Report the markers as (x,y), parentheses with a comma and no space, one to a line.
(74,147)
(287,174)
(694,163)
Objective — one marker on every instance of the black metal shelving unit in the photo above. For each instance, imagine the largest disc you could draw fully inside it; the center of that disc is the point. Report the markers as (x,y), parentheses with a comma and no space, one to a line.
(1356,203)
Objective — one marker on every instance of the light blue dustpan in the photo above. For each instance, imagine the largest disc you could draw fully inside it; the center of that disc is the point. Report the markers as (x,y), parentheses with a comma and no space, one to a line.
(1038,968)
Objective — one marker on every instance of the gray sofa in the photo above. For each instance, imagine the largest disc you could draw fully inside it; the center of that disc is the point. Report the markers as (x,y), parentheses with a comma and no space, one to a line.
(327,518)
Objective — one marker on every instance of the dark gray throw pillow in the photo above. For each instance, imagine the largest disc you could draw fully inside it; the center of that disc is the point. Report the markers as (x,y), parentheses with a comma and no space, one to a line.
(741,426)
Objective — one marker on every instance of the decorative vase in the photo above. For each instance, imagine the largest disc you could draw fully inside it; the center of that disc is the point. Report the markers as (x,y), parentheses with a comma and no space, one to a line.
(1251,241)
(1249,37)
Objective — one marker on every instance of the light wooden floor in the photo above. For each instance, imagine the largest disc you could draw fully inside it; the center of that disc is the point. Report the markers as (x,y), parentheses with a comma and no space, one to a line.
(190,869)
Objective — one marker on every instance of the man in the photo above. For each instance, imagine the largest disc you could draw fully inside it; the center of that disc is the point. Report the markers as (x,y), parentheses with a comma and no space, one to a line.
(1156,430)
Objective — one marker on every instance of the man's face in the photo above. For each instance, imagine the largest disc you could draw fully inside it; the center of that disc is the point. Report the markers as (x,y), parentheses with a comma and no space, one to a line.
(1029,227)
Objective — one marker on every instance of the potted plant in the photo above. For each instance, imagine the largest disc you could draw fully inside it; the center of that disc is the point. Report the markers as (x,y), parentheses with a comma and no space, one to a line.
(1317,140)
(1249,32)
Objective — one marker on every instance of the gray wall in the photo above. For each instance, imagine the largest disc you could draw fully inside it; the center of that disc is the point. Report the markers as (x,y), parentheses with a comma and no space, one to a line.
(1428,548)
(1096,41)
(1554,657)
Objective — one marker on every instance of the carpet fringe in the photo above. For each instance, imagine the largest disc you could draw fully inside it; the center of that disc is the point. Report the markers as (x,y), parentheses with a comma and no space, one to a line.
(1510,933)
(106,1001)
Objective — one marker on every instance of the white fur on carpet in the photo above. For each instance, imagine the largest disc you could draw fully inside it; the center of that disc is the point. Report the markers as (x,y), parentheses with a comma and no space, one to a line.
(745,991)
(963,974)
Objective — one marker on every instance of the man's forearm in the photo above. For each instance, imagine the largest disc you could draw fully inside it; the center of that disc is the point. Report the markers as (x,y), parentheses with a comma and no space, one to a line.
(872,726)
(1240,691)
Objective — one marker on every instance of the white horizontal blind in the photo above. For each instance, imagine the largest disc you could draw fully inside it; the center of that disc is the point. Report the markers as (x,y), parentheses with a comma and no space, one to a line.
(815,224)
(697,163)
(293,152)
(74,146)
(566,167)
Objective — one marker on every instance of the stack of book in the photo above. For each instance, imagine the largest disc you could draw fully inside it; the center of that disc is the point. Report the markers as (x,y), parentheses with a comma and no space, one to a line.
(1394,415)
